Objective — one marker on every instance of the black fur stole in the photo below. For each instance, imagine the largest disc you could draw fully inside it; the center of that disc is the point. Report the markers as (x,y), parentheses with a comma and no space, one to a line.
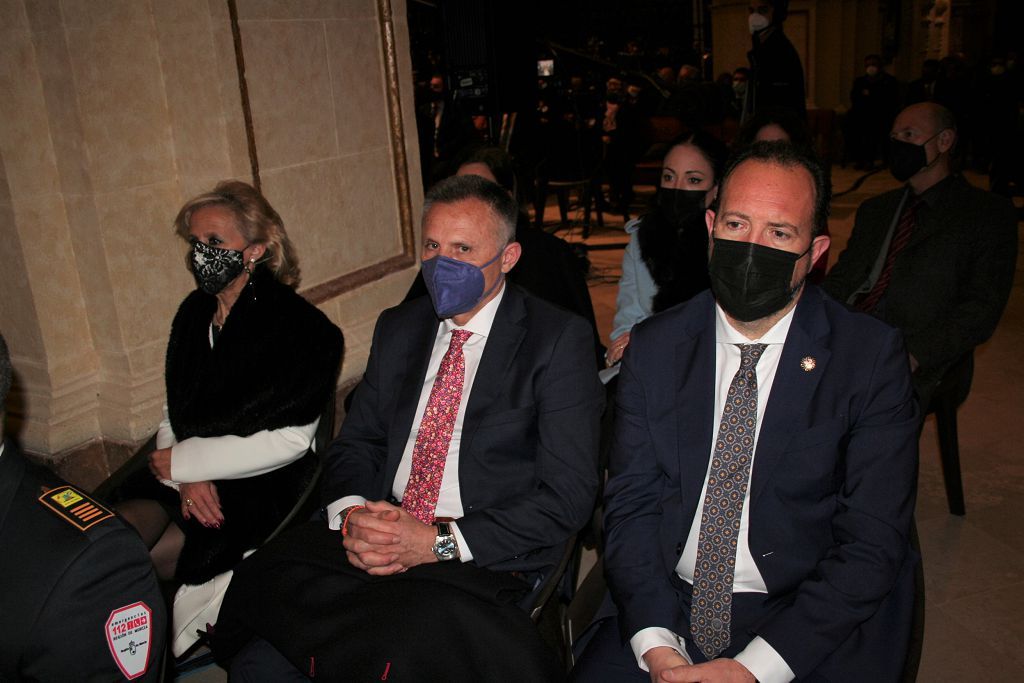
(274,365)
(677,259)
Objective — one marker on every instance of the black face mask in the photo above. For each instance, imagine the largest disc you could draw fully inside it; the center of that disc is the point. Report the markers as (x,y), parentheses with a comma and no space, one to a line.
(214,268)
(679,206)
(751,281)
(906,158)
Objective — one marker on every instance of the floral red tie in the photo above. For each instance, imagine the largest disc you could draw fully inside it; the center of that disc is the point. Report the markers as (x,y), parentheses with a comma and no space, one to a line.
(431,449)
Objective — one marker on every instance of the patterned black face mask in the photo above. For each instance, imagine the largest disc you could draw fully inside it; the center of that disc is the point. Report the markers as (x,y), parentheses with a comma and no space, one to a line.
(214,268)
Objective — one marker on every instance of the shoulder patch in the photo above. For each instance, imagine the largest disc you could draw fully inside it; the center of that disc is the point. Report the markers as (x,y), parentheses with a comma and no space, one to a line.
(128,635)
(74,507)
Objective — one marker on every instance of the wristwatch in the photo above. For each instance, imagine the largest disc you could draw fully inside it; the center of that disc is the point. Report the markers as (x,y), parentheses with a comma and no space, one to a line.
(445,547)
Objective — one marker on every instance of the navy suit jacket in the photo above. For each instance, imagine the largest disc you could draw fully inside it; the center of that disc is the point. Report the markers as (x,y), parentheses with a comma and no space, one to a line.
(528,457)
(832,487)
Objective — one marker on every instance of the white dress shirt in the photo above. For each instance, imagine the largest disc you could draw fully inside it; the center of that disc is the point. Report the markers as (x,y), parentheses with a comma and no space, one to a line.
(759,657)
(449,500)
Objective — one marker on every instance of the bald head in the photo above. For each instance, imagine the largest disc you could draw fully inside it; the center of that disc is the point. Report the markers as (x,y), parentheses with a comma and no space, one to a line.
(930,116)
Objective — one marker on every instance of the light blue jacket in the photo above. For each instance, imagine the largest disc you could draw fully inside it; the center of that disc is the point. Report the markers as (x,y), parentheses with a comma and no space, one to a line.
(636,288)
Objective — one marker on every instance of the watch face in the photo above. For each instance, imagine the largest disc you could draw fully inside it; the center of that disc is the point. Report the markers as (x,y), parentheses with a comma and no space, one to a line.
(444,548)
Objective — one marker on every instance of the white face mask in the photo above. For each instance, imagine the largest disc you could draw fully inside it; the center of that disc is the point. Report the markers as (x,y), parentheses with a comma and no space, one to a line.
(757,22)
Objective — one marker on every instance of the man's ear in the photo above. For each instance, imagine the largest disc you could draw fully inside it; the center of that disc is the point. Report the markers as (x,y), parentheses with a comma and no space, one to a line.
(818,247)
(709,218)
(510,256)
(946,139)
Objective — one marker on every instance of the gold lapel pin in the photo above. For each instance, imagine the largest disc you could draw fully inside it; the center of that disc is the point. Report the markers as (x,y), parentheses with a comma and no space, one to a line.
(808,363)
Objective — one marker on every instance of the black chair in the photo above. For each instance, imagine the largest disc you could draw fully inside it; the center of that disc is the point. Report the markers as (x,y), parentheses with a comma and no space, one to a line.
(949,394)
(548,603)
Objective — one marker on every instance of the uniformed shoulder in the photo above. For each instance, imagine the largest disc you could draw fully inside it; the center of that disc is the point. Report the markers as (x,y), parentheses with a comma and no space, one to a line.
(64,509)
(72,506)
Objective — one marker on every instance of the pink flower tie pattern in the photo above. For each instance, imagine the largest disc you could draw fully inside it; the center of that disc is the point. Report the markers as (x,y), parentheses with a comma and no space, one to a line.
(711,606)
(435,434)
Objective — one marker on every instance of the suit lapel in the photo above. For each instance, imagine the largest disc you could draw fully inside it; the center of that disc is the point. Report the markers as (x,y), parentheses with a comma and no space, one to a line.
(793,388)
(503,342)
(695,361)
(415,347)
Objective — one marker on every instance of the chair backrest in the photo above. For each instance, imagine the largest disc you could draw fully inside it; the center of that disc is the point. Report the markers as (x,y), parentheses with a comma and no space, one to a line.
(307,501)
(547,588)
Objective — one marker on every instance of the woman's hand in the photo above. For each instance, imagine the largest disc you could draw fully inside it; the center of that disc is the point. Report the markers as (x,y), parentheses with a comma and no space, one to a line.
(160,463)
(614,353)
(200,500)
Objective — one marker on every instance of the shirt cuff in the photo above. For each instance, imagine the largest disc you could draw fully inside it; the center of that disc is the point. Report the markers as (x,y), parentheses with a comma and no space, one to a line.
(465,554)
(335,509)
(647,639)
(764,662)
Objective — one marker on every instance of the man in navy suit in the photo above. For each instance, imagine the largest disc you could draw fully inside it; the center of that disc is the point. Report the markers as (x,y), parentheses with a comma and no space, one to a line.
(352,597)
(817,579)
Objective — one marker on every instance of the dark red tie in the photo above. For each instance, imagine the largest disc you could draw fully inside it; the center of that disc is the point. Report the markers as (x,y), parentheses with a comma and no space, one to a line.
(431,448)
(900,238)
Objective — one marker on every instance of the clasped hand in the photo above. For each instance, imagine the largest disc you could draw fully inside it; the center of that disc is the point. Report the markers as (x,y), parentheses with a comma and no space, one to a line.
(384,539)
(666,664)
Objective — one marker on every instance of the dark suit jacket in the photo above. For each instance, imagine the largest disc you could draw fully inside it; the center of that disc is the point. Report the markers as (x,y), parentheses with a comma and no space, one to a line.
(60,585)
(951,282)
(528,459)
(832,487)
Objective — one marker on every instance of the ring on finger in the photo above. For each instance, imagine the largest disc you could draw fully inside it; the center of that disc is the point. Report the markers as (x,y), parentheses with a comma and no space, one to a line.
(189,502)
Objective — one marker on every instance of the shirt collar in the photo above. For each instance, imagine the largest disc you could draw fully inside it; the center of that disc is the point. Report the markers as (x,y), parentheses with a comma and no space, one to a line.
(727,334)
(479,324)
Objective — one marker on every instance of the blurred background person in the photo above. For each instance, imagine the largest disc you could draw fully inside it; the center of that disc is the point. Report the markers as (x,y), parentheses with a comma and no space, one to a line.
(874,101)
(777,76)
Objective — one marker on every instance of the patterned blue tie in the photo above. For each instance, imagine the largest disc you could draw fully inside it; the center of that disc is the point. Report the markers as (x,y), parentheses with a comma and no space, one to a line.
(711,608)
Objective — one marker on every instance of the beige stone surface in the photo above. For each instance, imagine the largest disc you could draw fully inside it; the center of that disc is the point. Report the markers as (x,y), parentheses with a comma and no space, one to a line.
(122,103)
(12,15)
(306,9)
(198,122)
(290,91)
(339,212)
(355,61)
(62,115)
(43,15)
(24,135)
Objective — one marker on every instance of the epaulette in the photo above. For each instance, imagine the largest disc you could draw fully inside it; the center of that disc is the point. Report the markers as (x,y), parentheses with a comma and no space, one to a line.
(74,507)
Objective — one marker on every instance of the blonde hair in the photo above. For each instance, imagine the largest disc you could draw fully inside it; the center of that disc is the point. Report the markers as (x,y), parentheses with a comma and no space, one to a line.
(255,219)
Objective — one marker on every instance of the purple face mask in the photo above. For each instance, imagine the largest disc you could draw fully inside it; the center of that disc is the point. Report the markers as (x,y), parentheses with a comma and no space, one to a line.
(455,286)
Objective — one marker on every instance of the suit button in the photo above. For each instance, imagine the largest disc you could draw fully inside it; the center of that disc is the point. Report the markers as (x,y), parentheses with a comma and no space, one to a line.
(679,548)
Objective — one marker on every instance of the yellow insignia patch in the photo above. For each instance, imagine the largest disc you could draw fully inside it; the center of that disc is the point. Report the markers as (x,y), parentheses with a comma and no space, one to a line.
(75,507)
(66,498)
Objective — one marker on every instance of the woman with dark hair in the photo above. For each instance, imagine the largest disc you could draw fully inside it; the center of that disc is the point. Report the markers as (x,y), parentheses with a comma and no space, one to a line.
(774,124)
(250,366)
(666,260)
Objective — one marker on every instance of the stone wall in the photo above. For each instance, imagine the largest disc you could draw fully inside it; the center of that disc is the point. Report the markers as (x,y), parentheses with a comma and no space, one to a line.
(116,112)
